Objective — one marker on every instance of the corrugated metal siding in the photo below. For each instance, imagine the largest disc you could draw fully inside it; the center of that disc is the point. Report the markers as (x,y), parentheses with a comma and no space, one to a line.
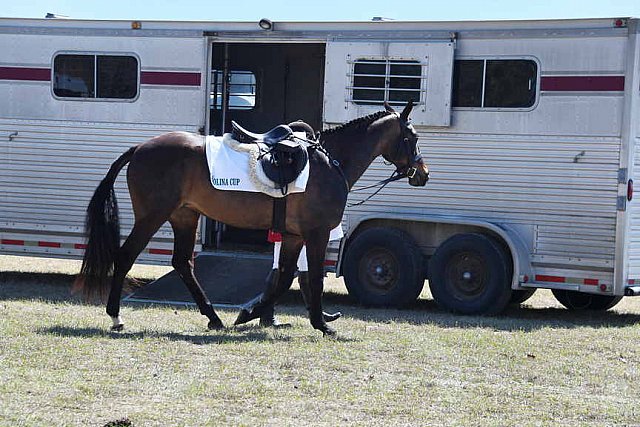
(48,173)
(535,181)
(633,254)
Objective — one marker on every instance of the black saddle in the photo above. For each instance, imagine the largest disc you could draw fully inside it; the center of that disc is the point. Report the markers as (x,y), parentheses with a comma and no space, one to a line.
(282,158)
(275,135)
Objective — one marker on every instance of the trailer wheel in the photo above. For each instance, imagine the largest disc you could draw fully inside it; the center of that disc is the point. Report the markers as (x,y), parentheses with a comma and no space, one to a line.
(469,274)
(519,296)
(574,300)
(383,266)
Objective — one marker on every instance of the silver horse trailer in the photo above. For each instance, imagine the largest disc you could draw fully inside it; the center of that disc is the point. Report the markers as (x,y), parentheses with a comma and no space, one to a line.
(529,129)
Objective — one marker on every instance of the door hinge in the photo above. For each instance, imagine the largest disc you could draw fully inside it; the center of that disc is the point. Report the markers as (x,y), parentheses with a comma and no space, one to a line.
(622,175)
(622,203)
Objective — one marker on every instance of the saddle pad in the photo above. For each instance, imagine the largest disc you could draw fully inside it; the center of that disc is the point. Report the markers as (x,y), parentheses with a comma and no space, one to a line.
(235,166)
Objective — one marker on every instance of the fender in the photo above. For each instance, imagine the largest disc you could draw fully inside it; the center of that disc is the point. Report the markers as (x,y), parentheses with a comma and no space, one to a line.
(514,241)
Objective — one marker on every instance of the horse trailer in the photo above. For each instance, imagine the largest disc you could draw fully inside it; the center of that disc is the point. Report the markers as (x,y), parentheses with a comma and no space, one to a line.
(530,130)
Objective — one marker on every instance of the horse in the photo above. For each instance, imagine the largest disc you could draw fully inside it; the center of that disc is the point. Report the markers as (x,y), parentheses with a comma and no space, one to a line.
(168,180)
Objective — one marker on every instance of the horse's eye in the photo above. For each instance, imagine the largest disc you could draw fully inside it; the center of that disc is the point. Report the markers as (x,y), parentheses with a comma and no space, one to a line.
(406,140)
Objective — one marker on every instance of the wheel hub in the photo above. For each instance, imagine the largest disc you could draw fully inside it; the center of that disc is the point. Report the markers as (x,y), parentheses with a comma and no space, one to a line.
(379,270)
(466,275)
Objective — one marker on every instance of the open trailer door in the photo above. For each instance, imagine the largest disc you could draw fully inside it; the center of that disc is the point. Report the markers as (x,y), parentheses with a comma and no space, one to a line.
(360,76)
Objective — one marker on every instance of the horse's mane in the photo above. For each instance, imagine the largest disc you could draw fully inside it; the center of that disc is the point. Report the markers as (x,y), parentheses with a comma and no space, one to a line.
(354,126)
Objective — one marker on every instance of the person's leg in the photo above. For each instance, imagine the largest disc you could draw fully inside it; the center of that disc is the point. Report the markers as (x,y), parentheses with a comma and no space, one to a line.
(268,317)
(303,282)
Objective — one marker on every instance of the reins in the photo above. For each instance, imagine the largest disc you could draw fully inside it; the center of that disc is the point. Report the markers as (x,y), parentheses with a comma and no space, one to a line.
(316,145)
(395,176)
(382,184)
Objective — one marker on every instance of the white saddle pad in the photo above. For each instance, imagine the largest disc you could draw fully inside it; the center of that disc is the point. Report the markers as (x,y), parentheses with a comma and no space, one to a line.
(235,166)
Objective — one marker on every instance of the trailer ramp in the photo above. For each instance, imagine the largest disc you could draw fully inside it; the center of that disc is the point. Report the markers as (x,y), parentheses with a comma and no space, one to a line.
(229,280)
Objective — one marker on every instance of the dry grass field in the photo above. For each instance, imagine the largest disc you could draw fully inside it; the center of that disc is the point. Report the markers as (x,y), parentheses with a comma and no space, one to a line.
(538,364)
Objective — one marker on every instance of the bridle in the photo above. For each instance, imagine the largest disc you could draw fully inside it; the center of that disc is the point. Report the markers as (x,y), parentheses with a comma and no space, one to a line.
(410,153)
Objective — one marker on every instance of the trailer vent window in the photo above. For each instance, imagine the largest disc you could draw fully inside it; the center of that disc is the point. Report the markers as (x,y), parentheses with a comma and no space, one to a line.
(95,76)
(242,90)
(379,80)
(496,83)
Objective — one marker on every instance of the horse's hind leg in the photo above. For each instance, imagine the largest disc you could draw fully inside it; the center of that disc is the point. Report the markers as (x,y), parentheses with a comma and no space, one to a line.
(143,230)
(184,222)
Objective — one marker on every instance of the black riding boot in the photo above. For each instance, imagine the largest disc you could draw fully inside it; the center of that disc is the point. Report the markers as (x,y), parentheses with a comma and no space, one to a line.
(303,281)
(268,318)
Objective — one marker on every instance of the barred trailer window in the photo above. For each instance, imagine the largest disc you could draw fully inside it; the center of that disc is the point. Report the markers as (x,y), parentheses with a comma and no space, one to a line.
(95,76)
(392,80)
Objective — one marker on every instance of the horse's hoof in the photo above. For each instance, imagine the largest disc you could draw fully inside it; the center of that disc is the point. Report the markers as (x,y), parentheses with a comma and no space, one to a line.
(117,328)
(245,316)
(331,317)
(215,325)
(327,331)
(272,322)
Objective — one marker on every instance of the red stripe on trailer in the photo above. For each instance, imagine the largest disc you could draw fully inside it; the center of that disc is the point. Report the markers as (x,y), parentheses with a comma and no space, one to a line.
(593,282)
(161,251)
(80,246)
(49,244)
(330,263)
(170,78)
(25,73)
(12,242)
(582,83)
(554,279)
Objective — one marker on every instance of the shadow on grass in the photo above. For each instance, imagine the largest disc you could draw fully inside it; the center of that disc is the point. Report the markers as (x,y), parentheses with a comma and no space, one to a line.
(54,287)
(212,337)
(50,287)
(248,334)
(514,318)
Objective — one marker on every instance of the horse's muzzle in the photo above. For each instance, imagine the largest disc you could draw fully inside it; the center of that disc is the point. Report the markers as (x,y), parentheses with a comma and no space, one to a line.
(418,174)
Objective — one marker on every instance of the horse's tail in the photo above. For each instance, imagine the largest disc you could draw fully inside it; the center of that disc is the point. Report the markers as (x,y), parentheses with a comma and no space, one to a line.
(102,228)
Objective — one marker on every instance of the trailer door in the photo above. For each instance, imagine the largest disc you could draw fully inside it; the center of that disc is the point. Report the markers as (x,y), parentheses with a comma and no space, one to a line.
(360,76)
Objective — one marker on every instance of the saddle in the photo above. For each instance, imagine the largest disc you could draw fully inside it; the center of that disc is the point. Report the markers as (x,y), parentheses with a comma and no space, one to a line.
(275,135)
(281,157)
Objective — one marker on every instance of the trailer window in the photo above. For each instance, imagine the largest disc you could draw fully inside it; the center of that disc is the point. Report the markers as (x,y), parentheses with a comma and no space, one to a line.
(242,90)
(95,76)
(493,83)
(378,80)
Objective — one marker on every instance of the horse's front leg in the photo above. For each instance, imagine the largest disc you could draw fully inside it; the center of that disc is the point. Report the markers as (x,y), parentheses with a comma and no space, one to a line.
(316,250)
(289,252)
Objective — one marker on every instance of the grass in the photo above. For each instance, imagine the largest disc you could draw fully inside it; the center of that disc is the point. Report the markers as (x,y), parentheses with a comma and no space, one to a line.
(535,365)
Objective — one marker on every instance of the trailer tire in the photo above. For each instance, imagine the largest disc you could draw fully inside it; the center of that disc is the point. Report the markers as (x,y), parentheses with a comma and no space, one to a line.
(519,296)
(469,274)
(384,267)
(574,300)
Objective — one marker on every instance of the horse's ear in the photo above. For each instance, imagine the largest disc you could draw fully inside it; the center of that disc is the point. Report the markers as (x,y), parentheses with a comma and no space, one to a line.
(407,110)
(388,107)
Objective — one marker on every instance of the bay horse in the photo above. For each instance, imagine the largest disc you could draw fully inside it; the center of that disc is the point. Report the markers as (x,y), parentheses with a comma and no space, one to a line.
(168,180)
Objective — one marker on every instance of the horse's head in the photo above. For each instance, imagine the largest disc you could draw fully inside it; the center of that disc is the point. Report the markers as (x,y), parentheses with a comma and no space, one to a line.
(403,152)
